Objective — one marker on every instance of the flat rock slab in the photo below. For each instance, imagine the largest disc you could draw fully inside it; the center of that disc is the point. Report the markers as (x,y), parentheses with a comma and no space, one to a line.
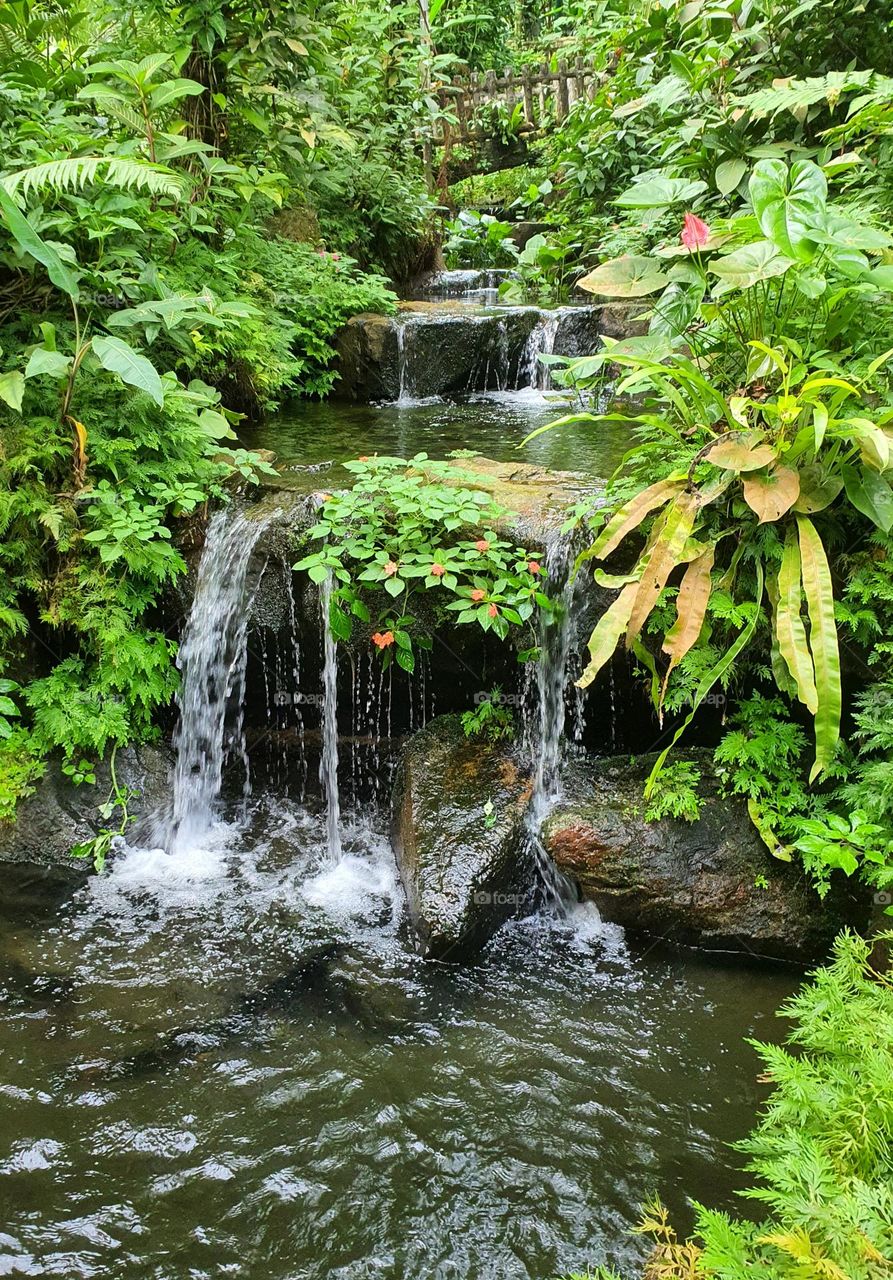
(464,871)
(538,499)
(710,883)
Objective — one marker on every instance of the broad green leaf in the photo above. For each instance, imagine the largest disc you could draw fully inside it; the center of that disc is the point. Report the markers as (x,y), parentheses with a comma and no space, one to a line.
(789,629)
(631,515)
(119,357)
(743,451)
(51,362)
(818,489)
(871,494)
(790,204)
(656,193)
(728,175)
(675,309)
(30,242)
(819,592)
(173,91)
(750,265)
(708,680)
(12,389)
(882,278)
(846,233)
(606,635)
(215,425)
(769,494)
(626,277)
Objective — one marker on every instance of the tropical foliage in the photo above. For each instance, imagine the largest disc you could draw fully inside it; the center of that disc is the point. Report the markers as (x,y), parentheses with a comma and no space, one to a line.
(820,1152)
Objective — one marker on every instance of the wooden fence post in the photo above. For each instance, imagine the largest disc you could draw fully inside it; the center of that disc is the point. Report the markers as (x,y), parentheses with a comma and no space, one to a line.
(528,97)
(562,103)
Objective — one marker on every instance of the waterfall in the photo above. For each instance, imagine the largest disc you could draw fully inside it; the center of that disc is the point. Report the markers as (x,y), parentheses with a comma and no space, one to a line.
(531,373)
(328,765)
(547,728)
(212,659)
(401,363)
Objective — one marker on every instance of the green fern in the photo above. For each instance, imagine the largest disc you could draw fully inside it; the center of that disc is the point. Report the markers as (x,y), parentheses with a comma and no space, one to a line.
(76,172)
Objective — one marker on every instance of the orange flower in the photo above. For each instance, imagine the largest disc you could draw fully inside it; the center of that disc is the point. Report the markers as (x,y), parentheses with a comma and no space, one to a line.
(437,570)
(364,457)
(327,497)
(477,595)
(493,611)
(381,640)
(534,567)
(390,568)
(482,544)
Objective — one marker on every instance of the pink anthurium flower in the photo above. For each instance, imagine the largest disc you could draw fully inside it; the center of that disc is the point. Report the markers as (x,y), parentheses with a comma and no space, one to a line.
(695,233)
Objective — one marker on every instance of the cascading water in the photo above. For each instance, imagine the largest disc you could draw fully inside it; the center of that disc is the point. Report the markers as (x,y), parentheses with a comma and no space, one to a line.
(213,657)
(531,372)
(328,766)
(546,730)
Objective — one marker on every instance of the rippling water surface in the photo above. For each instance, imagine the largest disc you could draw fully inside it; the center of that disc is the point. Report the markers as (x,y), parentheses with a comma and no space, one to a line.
(232,1064)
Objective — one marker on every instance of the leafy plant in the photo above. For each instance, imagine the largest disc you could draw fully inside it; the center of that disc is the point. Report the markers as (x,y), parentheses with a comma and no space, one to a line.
(675,793)
(407,529)
(489,719)
(820,1151)
(479,240)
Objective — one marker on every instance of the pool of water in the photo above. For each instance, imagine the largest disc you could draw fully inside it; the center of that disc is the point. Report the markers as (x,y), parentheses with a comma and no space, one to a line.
(232,1063)
(310,436)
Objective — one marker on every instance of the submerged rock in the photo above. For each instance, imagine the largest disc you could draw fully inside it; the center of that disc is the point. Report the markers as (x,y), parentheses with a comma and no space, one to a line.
(464,868)
(60,814)
(711,883)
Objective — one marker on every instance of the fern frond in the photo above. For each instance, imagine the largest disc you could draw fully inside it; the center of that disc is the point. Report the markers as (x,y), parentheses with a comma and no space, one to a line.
(798,96)
(76,172)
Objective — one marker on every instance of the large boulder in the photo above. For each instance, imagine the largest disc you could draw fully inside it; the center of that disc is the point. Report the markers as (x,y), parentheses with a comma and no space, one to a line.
(60,814)
(367,359)
(710,883)
(464,867)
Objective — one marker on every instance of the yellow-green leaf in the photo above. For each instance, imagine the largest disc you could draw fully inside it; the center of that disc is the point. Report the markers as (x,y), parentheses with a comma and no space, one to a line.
(769,494)
(663,558)
(707,681)
(743,451)
(789,629)
(819,591)
(606,635)
(631,515)
(691,609)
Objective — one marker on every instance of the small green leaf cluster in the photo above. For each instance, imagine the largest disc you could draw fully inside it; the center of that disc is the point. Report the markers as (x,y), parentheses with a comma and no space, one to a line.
(409,530)
(675,793)
(490,719)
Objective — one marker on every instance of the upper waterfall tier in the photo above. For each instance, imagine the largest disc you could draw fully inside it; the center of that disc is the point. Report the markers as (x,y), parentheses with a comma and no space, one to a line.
(458,347)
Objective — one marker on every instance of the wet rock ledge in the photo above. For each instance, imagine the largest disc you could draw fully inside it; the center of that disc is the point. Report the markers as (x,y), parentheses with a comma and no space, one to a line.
(711,884)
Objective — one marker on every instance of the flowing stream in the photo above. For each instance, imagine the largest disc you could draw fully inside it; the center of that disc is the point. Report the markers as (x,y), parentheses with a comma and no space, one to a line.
(225,1058)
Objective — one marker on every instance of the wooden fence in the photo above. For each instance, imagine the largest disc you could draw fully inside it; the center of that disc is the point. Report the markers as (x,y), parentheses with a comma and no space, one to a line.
(546,97)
